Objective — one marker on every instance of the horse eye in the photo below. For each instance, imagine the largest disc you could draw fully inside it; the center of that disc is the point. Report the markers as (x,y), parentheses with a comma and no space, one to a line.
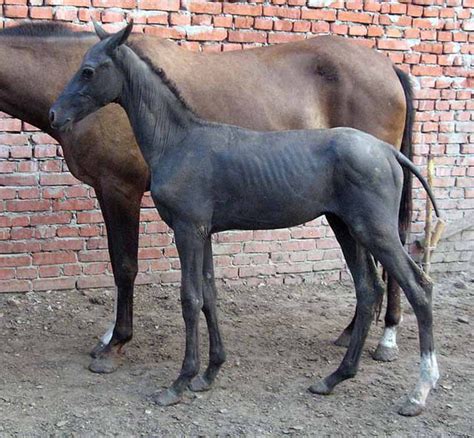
(87,73)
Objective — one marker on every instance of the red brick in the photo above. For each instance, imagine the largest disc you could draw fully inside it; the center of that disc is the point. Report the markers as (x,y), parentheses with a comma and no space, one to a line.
(15,286)
(204,7)
(15,11)
(339,29)
(318,14)
(301,26)
(223,21)
(242,9)
(387,44)
(355,17)
(243,22)
(65,14)
(124,4)
(54,258)
(357,30)
(160,5)
(54,283)
(247,36)
(206,34)
(41,13)
(427,70)
(276,38)
(14,260)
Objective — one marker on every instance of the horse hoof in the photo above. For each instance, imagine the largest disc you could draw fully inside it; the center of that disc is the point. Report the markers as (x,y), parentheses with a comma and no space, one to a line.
(99,348)
(199,384)
(411,408)
(104,364)
(320,388)
(343,340)
(167,398)
(385,354)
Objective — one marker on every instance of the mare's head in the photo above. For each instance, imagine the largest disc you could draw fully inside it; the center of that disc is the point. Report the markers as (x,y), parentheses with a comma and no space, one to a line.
(97,83)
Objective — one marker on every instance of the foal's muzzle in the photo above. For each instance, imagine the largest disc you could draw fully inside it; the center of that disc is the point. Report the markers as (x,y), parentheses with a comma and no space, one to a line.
(57,122)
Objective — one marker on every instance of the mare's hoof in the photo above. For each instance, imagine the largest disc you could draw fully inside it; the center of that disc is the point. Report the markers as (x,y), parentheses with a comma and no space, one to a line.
(98,349)
(411,408)
(166,398)
(385,354)
(105,364)
(199,384)
(343,340)
(320,388)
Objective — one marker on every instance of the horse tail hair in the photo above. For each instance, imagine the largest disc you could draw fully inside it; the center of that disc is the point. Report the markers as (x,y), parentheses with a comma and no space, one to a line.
(410,167)
(406,204)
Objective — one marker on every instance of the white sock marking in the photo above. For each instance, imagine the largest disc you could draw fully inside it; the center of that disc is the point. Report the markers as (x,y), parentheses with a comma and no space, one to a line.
(105,339)
(429,375)
(389,338)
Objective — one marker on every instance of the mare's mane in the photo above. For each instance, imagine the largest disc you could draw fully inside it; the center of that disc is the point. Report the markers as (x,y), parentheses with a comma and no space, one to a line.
(42,29)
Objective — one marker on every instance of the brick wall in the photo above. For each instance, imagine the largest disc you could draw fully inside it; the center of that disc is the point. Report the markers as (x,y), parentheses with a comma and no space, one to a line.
(51,231)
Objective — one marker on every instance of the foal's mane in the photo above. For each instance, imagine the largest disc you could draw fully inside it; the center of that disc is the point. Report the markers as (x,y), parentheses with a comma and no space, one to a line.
(161,74)
(41,29)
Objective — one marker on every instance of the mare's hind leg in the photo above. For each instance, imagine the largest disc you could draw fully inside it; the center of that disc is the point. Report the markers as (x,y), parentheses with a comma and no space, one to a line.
(368,288)
(387,348)
(216,348)
(382,239)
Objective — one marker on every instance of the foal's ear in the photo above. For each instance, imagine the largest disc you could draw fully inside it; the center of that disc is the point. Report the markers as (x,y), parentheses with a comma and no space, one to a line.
(120,37)
(101,33)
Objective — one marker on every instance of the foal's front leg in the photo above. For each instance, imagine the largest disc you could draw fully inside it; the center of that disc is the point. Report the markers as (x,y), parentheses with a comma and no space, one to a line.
(217,354)
(190,245)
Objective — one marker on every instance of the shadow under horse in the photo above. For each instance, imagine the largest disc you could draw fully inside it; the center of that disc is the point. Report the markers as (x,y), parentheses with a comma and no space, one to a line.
(208,177)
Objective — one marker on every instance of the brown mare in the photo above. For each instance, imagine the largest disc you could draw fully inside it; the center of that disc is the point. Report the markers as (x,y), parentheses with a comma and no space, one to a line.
(321,82)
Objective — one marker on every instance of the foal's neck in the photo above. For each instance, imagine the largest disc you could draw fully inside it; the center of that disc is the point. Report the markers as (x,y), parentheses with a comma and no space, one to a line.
(159,118)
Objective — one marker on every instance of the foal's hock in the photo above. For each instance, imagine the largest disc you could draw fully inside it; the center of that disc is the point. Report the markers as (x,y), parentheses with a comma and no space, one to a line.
(208,177)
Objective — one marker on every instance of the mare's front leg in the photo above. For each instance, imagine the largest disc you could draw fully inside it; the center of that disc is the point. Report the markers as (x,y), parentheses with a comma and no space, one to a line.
(121,211)
(217,354)
(190,241)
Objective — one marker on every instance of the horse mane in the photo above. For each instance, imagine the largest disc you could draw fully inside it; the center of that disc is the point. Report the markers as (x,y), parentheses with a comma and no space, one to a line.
(41,29)
(161,74)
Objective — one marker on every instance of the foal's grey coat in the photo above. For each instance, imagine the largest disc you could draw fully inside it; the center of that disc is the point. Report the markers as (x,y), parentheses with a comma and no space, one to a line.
(209,177)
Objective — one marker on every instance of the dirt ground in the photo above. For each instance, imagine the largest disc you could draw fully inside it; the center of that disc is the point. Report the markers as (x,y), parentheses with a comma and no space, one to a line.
(279,341)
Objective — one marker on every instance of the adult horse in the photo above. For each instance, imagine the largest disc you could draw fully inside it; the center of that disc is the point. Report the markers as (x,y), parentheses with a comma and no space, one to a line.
(321,82)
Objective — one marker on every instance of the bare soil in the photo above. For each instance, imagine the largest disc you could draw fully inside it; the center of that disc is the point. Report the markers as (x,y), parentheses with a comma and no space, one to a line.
(279,341)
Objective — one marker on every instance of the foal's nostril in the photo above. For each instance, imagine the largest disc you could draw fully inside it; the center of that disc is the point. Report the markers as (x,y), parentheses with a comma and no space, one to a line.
(52,115)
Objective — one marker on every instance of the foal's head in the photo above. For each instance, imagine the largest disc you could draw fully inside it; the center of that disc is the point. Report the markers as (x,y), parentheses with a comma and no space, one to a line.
(97,83)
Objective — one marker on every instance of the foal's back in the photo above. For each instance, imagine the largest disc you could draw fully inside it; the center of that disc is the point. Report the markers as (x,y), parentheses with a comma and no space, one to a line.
(241,179)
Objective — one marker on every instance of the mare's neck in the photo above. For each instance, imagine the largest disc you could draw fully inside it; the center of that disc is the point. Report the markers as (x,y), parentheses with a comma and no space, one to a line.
(160,120)
(33,71)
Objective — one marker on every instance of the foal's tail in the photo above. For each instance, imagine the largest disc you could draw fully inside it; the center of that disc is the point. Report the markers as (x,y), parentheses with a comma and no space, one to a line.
(408,164)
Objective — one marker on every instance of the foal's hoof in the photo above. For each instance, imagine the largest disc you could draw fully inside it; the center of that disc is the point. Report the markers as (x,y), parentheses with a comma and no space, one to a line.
(385,354)
(167,398)
(199,384)
(411,408)
(98,349)
(105,364)
(343,340)
(320,388)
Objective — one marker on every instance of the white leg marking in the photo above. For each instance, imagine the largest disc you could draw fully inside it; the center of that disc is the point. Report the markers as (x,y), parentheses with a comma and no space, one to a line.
(429,375)
(105,339)
(389,337)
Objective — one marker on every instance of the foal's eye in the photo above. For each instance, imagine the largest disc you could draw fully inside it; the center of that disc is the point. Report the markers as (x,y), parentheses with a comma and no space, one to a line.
(87,73)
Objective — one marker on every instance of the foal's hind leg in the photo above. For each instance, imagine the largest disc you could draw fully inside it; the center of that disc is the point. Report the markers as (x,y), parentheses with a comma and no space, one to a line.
(383,242)
(216,348)
(368,289)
